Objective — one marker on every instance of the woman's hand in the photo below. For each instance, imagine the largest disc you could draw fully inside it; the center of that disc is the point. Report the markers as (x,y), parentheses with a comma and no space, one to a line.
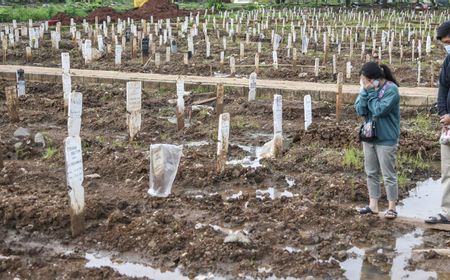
(367,84)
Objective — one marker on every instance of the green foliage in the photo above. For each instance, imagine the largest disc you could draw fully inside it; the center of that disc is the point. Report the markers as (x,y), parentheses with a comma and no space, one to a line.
(49,153)
(422,123)
(203,114)
(217,4)
(411,162)
(23,13)
(353,158)
(402,180)
(73,11)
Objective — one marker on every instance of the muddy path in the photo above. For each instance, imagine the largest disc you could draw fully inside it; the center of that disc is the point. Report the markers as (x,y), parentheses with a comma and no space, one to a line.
(296,213)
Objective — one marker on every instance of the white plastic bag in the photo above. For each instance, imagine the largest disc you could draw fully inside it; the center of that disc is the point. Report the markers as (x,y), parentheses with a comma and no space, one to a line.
(164,161)
(445,136)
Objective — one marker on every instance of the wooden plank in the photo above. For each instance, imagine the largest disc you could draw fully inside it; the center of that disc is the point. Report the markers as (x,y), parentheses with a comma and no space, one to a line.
(442,252)
(204,101)
(418,223)
(92,75)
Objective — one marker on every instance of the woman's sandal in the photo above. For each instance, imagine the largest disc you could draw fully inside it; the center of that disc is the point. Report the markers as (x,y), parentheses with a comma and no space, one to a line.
(439,219)
(366,210)
(390,214)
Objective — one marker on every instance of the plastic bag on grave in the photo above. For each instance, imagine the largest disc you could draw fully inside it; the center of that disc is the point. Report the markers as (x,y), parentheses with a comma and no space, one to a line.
(164,161)
(96,54)
(268,150)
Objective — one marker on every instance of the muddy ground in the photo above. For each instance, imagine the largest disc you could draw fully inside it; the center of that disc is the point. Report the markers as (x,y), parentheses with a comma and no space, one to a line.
(302,70)
(318,218)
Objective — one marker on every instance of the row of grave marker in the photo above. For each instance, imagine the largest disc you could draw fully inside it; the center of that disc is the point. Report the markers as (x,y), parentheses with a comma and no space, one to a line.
(87,45)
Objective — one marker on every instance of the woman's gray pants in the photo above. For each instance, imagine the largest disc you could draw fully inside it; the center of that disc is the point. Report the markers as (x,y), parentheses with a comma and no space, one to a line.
(380,160)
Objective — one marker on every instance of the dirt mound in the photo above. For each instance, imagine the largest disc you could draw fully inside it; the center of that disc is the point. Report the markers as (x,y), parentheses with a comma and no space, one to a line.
(62,17)
(102,13)
(159,9)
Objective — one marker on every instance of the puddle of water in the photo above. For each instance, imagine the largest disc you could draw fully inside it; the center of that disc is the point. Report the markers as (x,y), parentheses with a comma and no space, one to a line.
(209,276)
(238,195)
(173,120)
(290,182)
(131,269)
(403,247)
(261,135)
(291,250)
(252,161)
(353,265)
(273,194)
(423,201)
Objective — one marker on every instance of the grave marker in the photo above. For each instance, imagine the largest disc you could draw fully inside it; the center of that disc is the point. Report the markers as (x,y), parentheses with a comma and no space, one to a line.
(222,141)
(12,103)
(74,175)
(134,105)
(277,125)
(252,86)
(307,111)
(118,55)
(74,113)
(20,82)
(180,104)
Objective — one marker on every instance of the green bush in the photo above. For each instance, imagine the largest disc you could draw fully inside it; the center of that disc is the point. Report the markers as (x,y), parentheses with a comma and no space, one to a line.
(25,13)
(217,4)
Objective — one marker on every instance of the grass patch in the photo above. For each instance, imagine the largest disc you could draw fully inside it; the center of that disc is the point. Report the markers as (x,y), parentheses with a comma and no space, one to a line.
(50,153)
(353,158)
(422,123)
(119,144)
(203,114)
(402,180)
(241,122)
(411,162)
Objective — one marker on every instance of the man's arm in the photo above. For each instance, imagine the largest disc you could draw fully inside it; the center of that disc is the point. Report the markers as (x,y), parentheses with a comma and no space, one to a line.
(443,89)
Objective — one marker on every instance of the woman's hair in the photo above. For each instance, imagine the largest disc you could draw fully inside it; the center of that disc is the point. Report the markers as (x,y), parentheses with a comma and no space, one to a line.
(443,30)
(372,71)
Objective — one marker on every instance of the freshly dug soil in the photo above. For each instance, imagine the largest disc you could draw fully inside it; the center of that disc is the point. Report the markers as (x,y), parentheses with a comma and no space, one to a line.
(319,219)
(159,9)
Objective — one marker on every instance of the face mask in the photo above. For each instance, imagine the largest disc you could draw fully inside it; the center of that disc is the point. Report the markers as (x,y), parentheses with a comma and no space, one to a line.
(447,48)
(376,83)
(361,83)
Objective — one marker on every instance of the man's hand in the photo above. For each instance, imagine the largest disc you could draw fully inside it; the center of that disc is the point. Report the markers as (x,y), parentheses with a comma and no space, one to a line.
(445,120)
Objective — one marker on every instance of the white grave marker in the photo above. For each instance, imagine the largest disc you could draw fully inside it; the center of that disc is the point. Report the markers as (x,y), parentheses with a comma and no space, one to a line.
(307,110)
(74,175)
(252,87)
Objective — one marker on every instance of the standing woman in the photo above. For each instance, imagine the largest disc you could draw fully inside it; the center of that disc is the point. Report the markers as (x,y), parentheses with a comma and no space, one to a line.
(379,103)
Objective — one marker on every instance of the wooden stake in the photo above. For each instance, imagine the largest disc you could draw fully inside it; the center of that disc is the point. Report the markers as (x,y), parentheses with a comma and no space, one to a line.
(12,103)
(340,79)
(219,100)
